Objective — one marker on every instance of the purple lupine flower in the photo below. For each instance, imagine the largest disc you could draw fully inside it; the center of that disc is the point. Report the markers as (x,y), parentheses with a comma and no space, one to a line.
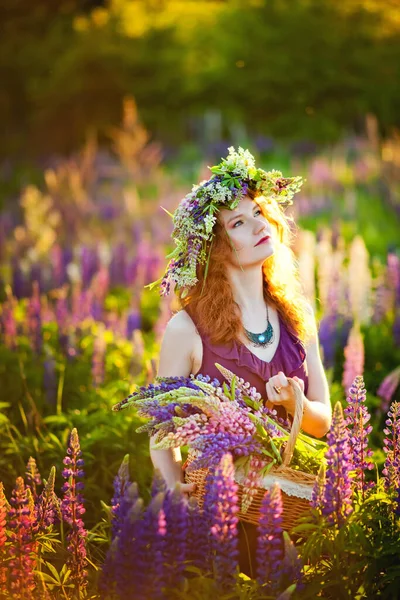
(72,509)
(48,505)
(388,387)
(198,547)
(337,493)
(354,357)
(125,547)
(121,483)
(269,551)
(215,445)
(357,417)
(125,497)
(391,469)
(221,508)
(23,547)
(33,477)
(175,547)
(142,535)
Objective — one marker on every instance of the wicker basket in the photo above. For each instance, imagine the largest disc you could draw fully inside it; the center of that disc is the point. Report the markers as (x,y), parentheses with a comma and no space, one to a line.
(294,481)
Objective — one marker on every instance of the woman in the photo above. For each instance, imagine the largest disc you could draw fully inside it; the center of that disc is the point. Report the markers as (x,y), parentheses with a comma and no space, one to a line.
(235,276)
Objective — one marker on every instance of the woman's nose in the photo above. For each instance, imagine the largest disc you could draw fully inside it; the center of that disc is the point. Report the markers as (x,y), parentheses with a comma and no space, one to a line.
(259,227)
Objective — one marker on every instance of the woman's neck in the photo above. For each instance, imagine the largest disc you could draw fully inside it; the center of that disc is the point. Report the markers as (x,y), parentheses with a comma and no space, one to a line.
(247,287)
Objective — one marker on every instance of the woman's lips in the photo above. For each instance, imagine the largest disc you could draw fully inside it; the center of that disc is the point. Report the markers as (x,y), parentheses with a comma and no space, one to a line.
(264,239)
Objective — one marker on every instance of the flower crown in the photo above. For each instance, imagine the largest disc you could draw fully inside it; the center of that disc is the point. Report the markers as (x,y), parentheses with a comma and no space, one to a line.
(195,217)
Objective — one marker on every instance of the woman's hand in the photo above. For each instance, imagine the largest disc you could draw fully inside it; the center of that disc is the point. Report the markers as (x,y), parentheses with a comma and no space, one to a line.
(286,397)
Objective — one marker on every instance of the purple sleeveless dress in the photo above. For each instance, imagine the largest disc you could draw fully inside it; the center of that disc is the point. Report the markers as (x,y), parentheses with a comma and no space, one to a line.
(290,358)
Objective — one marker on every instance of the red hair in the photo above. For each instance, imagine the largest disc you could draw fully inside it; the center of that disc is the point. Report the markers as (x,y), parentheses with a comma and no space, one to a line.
(216,312)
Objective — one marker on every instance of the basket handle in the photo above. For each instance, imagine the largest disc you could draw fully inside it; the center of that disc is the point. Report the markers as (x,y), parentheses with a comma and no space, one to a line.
(296,425)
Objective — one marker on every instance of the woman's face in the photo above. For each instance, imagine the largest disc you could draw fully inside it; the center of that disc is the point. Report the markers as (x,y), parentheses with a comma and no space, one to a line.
(246,226)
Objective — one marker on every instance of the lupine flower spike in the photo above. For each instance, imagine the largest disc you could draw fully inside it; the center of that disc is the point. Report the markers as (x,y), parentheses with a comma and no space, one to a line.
(72,510)
(269,541)
(357,417)
(391,470)
(22,548)
(221,508)
(337,493)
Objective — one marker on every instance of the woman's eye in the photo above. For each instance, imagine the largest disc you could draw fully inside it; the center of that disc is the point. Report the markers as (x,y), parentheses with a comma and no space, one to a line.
(258,211)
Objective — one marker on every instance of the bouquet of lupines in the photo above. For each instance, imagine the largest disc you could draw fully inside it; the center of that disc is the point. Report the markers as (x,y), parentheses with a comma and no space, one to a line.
(212,419)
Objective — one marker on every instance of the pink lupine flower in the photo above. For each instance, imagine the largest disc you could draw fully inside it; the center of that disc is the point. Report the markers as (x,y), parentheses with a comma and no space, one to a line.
(72,510)
(354,357)
(22,549)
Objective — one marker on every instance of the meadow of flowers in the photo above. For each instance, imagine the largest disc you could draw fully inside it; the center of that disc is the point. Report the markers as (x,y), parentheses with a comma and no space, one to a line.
(79,333)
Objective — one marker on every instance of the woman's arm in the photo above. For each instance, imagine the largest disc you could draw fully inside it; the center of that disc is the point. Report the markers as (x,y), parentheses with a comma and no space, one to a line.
(317,414)
(175,361)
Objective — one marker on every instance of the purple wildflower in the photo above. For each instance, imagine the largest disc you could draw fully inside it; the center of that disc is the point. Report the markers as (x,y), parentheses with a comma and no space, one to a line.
(214,445)
(121,483)
(391,469)
(142,535)
(357,418)
(72,510)
(198,549)
(269,552)
(122,503)
(337,493)
(23,547)
(125,547)
(221,508)
(175,546)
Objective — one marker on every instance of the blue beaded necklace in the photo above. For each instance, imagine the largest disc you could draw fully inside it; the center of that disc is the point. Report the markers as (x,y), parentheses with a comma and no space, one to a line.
(264,339)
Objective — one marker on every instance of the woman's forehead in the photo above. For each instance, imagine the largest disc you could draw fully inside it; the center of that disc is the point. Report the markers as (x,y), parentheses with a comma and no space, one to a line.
(245,205)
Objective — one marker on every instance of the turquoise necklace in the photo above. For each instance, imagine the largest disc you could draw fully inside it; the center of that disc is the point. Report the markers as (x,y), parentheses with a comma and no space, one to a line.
(264,339)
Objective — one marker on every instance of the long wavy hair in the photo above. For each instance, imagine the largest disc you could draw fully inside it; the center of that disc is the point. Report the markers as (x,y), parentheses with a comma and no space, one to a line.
(212,305)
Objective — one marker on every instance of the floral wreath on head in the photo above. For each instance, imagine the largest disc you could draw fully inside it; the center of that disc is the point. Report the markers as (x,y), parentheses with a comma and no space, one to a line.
(195,217)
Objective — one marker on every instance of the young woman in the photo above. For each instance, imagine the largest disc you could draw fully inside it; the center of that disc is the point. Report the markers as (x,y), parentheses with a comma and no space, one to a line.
(241,303)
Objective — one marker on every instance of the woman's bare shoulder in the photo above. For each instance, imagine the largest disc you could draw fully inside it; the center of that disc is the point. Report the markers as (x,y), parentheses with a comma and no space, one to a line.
(181,323)
(179,346)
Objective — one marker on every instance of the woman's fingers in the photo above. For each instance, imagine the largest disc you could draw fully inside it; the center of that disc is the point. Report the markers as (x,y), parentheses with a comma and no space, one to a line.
(300,382)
